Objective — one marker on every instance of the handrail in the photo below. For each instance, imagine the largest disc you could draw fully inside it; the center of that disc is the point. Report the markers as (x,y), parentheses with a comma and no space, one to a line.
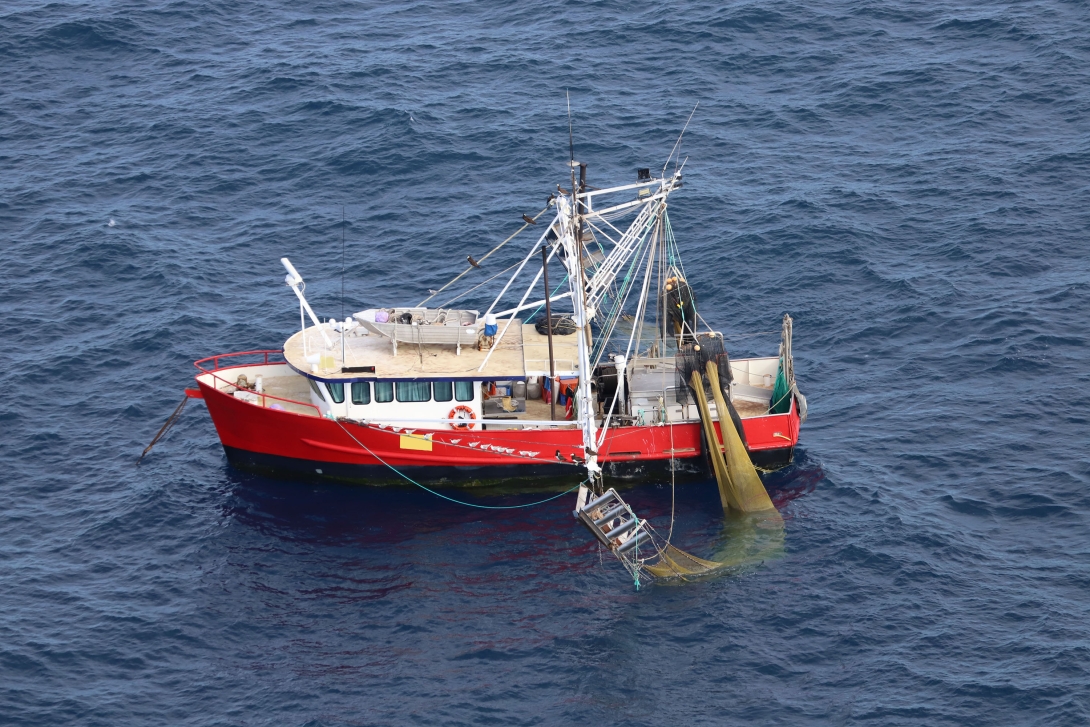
(503,422)
(265,354)
(216,359)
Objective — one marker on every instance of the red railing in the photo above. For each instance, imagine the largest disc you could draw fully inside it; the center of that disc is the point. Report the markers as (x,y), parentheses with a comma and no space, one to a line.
(216,359)
(265,360)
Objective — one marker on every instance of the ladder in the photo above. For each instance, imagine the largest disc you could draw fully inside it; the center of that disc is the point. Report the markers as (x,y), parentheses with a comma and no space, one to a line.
(612,522)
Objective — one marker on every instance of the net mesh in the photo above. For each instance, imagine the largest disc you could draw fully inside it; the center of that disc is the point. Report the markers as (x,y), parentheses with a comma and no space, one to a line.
(674,563)
(678,301)
(747,485)
(695,356)
(746,541)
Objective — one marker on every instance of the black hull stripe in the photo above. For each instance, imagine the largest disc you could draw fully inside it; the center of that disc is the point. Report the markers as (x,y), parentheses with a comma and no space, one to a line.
(534,475)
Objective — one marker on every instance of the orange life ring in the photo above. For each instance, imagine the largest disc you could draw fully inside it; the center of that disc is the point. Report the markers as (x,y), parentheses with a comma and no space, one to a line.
(463,414)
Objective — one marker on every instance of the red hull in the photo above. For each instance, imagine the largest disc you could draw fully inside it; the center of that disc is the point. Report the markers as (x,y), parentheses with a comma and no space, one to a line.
(298,444)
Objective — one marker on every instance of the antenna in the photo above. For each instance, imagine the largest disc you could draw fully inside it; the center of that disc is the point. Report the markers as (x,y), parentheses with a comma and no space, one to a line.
(344,361)
(678,142)
(571,149)
(571,143)
(342,262)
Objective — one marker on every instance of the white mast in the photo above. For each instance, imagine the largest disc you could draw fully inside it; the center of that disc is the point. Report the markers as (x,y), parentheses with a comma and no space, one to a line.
(583,316)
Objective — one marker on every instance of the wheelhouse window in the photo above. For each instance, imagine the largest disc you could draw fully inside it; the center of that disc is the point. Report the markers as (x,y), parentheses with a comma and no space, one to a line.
(413,390)
(444,390)
(337,392)
(315,389)
(361,392)
(463,390)
(384,391)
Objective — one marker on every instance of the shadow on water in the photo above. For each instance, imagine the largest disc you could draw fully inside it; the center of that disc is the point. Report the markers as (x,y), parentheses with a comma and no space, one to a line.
(339,516)
(798,479)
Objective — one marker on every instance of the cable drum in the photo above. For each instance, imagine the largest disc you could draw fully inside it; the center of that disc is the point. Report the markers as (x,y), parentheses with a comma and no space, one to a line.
(605,380)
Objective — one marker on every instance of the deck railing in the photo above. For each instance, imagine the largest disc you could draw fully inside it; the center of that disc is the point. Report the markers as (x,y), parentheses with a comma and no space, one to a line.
(265,353)
(265,361)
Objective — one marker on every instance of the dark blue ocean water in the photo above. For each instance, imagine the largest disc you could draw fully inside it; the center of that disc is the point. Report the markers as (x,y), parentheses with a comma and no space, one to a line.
(908,179)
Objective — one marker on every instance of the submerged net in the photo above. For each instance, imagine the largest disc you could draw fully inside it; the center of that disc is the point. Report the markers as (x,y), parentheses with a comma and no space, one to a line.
(675,563)
(746,542)
(744,497)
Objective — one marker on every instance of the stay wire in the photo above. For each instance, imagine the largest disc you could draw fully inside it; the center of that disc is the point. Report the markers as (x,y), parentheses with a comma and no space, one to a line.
(478,285)
(460,275)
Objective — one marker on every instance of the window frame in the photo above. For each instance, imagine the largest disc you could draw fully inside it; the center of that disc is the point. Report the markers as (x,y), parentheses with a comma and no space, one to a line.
(366,387)
(408,384)
(470,384)
(435,390)
(377,398)
(329,386)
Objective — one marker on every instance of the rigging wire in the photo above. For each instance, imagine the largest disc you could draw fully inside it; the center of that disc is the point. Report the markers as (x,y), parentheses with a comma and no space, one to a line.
(489,253)
(678,142)
(478,285)
(673,477)
(551,296)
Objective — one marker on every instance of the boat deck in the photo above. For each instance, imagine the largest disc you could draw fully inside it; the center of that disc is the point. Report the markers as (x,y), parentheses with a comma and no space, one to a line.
(747,409)
(292,387)
(522,352)
(653,384)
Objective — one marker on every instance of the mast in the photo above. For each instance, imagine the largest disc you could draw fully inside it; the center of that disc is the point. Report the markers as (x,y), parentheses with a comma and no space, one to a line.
(581,210)
(549,327)
(573,259)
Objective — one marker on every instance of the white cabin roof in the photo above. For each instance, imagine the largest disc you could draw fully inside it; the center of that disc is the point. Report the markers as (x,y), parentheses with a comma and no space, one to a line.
(523,352)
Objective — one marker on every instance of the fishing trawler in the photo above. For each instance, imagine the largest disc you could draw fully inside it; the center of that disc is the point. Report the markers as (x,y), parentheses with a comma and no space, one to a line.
(550,381)
(610,375)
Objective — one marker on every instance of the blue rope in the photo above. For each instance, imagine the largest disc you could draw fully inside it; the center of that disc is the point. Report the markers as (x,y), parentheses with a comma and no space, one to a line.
(486,507)
(451,499)
(538,309)
(617,309)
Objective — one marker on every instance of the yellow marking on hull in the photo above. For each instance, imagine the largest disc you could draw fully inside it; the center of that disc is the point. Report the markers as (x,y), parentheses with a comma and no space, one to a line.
(419,443)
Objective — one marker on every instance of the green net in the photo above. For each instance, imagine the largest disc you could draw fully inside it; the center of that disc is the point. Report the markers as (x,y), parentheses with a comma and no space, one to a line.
(781,393)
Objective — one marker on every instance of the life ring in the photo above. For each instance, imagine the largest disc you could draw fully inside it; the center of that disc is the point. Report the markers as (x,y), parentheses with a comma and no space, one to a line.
(463,414)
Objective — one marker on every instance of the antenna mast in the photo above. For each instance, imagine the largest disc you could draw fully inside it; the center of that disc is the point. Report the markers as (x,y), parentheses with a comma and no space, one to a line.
(344,362)
(342,261)
(678,142)
(571,150)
